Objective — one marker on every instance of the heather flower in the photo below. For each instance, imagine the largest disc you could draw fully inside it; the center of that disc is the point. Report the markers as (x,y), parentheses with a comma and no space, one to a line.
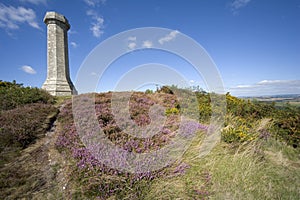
(181,169)
(143,111)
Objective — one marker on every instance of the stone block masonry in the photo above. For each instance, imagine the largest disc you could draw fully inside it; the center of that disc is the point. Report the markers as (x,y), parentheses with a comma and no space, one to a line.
(58,82)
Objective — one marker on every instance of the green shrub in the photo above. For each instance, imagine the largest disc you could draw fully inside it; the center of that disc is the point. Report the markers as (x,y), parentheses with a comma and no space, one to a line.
(148,91)
(165,89)
(14,94)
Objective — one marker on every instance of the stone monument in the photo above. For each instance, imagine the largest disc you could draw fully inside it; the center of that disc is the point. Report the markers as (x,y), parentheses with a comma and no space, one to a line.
(58,82)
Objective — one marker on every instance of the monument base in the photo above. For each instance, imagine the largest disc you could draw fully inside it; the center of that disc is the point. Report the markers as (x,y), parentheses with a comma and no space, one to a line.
(59,88)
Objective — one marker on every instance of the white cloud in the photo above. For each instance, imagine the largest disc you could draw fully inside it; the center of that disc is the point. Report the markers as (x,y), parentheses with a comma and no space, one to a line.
(74,44)
(94,2)
(131,42)
(11,17)
(171,36)
(147,44)
(237,4)
(97,24)
(97,29)
(132,45)
(28,69)
(267,87)
(36,2)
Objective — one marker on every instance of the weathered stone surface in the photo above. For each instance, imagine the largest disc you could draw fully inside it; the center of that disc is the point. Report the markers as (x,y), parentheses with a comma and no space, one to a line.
(58,82)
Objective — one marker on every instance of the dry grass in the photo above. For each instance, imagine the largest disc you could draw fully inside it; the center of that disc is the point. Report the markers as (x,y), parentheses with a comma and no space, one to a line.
(255,170)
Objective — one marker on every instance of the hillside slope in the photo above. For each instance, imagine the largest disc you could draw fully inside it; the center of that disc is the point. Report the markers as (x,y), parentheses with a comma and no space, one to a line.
(257,157)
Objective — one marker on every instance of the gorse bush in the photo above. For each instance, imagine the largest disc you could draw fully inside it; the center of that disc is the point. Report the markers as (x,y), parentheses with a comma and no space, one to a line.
(249,109)
(243,114)
(238,132)
(170,111)
(13,94)
(287,126)
(238,129)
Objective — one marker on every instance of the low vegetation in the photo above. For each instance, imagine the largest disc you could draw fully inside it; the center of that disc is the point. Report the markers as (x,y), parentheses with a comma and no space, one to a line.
(13,94)
(257,157)
(26,114)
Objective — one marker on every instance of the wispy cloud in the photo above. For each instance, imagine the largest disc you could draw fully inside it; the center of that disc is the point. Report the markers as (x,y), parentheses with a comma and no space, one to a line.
(74,44)
(147,44)
(36,2)
(28,69)
(97,24)
(244,86)
(272,82)
(238,4)
(268,87)
(11,17)
(94,2)
(72,32)
(93,74)
(171,36)
(132,38)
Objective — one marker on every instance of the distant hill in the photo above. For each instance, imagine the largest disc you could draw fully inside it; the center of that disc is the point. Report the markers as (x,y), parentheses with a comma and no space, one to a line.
(280,100)
(279,96)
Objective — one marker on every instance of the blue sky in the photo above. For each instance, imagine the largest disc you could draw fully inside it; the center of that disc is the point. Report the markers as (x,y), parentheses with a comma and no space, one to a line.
(255,44)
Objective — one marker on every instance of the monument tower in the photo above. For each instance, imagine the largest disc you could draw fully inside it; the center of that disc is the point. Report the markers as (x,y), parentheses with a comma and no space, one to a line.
(58,82)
